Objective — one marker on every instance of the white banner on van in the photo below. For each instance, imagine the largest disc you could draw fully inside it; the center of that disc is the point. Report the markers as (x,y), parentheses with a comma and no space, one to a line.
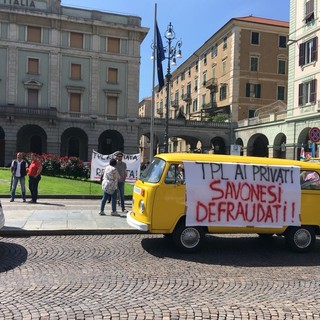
(240,195)
(100,161)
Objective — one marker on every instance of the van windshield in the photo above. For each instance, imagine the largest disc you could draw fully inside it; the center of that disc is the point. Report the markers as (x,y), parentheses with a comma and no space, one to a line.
(154,171)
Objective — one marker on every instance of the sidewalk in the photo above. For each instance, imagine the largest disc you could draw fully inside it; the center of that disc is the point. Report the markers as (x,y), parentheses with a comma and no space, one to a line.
(61,216)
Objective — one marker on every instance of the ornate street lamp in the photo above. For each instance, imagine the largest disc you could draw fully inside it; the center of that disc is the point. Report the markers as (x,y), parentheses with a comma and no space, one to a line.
(172,52)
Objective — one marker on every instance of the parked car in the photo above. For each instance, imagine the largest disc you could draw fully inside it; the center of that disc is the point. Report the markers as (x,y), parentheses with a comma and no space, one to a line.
(1,216)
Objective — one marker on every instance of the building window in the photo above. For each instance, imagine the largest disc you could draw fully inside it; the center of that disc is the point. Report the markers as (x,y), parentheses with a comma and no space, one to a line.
(33,98)
(189,89)
(188,108)
(308,92)
(282,66)
(112,75)
(224,67)
(203,101)
(213,72)
(176,97)
(282,41)
(253,90)
(195,105)
(75,102)
(33,66)
(113,45)
(189,71)
(308,51)
(223,92)
(309,11)
(34,34)
(112,106)
(75,71)
(197,65)
(281,93)
(182,75)
(214,51)
(225,43)
(255,37)
(204,78)
(251,113)
(76,40)
(254,63)
(196,85)
(205,58)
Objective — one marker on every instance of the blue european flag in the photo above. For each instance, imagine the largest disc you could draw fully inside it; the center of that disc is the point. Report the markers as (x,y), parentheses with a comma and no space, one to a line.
(160,58)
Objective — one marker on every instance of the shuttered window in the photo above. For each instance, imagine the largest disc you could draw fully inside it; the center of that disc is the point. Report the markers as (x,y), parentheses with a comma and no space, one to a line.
(113,45)
(33,66)
(308,51)
(307,92)
(76,40)
(75,71)
(253,90)
(112,75)
(309,11)
(112,103)
(75,102)
(33,97)
(34,34)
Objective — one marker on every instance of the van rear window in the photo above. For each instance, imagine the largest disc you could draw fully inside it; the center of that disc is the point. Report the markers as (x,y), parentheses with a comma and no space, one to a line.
(154,171)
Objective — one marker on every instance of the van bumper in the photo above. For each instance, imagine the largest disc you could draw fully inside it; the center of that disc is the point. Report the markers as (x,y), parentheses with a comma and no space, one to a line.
(132,222)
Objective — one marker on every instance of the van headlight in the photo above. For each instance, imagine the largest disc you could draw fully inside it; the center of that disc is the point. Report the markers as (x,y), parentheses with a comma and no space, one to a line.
(141,206)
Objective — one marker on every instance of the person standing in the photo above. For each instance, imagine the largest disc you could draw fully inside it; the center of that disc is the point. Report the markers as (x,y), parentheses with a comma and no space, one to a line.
(122,169)
(19,170)
(34,173)
(109,187)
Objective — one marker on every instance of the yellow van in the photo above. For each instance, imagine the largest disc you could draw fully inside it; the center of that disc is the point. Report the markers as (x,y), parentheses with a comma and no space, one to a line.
(185,196)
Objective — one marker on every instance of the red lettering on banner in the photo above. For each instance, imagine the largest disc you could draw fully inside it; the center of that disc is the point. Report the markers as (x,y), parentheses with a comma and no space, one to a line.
(246,191)
(199,217)
(248,213)
(235,198)
(218,190)
(293,211)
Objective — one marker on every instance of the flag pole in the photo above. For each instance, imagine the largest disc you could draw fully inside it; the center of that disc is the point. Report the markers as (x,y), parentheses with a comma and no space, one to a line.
(153,84)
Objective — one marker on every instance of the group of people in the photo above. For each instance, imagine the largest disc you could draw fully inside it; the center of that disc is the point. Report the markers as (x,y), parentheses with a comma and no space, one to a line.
(113,182)
(20,169)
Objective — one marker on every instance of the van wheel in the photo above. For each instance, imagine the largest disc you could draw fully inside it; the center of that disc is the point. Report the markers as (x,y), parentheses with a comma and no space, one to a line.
(300,239)
(188,239)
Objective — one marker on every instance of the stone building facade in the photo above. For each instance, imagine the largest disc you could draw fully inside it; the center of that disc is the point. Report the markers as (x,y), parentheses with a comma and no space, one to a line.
(69,80)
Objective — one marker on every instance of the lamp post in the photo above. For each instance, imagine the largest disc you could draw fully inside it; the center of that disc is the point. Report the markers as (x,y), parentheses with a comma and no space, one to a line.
(172,51)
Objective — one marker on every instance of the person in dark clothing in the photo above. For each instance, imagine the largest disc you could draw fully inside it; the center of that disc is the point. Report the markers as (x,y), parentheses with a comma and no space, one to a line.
(19,170)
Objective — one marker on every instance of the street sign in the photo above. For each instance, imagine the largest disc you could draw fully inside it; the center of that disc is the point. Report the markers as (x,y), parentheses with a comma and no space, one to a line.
(314,134)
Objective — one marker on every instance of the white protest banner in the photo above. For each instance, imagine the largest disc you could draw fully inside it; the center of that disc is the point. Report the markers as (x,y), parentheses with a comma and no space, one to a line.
(240,195)
(100,161)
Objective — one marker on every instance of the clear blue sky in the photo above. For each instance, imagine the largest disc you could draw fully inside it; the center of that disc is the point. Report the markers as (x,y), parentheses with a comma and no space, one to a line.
(194,21)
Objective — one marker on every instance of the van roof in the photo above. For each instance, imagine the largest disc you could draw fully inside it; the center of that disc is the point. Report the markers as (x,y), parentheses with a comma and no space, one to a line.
(178,157)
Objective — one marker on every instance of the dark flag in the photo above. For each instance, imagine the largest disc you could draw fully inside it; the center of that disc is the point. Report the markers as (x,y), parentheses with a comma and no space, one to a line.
(160,58)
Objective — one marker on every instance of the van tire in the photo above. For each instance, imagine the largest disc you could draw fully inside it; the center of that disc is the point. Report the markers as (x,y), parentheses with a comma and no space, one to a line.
(188,239)
(300,239)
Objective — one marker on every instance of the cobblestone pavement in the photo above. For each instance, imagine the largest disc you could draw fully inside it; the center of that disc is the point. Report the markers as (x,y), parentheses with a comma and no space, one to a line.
(143,277)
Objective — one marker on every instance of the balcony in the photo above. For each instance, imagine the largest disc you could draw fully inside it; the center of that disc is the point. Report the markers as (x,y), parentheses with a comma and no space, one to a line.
(175,104)
(212,84)
(186,97)
(26,112)
(160,111)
